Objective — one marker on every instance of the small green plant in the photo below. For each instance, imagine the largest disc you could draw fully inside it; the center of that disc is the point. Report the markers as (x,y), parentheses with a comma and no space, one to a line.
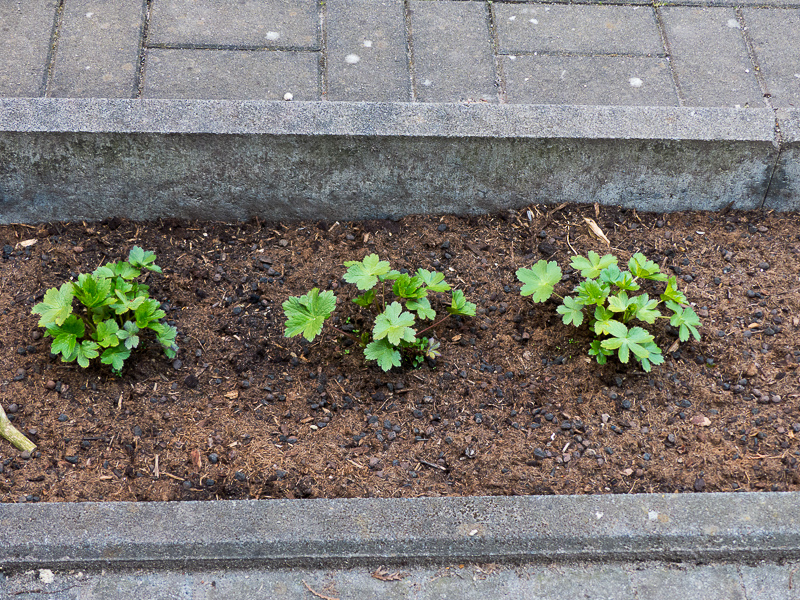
(114,309)
(393,334)
(605,296)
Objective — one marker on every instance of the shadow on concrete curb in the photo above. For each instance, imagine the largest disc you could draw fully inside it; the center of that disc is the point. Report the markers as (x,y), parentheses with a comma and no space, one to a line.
(90,159)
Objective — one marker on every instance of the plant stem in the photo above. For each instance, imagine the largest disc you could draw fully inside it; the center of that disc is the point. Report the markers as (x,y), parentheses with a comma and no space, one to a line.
(346,334)
(442,320)
(14,435)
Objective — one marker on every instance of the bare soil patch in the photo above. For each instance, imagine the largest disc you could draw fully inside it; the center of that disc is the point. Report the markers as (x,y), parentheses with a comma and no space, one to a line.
(513,406)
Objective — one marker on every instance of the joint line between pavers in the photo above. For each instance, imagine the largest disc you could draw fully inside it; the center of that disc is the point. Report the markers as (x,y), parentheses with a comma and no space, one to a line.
(140,70)
(751,52)
(567,54)
(233,47)
(668,54)
(494,42)
(412,78)
(50,63)
(322,61)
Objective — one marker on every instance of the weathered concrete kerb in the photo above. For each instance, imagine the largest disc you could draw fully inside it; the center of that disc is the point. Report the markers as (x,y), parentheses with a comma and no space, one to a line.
(90,159)
(272,534)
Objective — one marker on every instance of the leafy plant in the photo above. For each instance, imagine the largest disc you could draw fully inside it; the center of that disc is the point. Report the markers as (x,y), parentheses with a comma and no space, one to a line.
(604,298)
(114,308)
(393,333)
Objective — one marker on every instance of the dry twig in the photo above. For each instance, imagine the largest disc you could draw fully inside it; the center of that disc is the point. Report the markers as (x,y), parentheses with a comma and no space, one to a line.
(316,593)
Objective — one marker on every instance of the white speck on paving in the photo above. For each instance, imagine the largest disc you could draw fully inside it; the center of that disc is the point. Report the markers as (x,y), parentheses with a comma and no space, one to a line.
(797,75)
(514,18)
(733,24)
(46,576)
(367,44)
(427,83)
(563,75)
(288,96)
(512,57)
(652,515)
(599,515)
(534,21)
(273,35)
(88,67)
(89,15)
(635,82)
(352,59)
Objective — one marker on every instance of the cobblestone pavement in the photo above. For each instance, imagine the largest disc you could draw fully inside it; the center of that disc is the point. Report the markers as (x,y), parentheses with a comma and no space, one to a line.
(693,54)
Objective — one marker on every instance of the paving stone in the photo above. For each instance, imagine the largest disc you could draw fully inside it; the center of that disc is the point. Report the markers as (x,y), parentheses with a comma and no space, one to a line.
(98,49)
(25,30)
(366,58)
(590,80)
(722,74)
(230,74)
(453,58)
(776,39)
(770,581)
(711,582)
(586,29)
(287,24)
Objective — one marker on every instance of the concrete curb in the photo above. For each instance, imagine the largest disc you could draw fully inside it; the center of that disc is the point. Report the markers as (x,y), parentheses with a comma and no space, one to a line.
(335,533)
(89,159)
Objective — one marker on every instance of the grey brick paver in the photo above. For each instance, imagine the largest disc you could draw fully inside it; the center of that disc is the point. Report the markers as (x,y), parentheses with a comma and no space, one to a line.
(367,59)
(230,74)
(98,49)
(589,80)
(25,30)
(776,39)
(452,52)
(260,23)
(722,73)
(585,29)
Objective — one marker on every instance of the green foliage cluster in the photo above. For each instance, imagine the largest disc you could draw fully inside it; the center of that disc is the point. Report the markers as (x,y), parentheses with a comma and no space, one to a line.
(114,309)
(605,296)
(393,333)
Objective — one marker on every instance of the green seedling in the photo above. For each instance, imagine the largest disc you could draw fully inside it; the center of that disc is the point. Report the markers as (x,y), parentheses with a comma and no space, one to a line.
(114,308)
(394,333)
(606,300)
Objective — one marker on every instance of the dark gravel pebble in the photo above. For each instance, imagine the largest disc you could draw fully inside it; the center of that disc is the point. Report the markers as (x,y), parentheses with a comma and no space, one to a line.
(63,418)
(213,458)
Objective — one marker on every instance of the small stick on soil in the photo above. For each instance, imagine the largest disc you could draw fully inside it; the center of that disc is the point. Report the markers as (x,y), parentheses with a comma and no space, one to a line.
(568,244)
(432,465)
(317,594)
(14,435)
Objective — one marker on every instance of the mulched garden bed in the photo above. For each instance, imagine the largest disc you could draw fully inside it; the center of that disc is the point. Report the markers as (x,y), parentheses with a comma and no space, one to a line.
(512,406)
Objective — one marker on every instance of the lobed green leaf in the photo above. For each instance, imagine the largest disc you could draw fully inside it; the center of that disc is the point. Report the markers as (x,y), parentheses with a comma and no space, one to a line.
(422,307)
(540,280)
(56,305)
(394,324)
(433,280)
(382,351)
(571,311)
(460,306)
(307,313)
(365,273)
(592,266)
(645,269)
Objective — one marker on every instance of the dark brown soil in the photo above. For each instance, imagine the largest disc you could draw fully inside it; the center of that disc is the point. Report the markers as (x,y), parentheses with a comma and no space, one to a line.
(513,406)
